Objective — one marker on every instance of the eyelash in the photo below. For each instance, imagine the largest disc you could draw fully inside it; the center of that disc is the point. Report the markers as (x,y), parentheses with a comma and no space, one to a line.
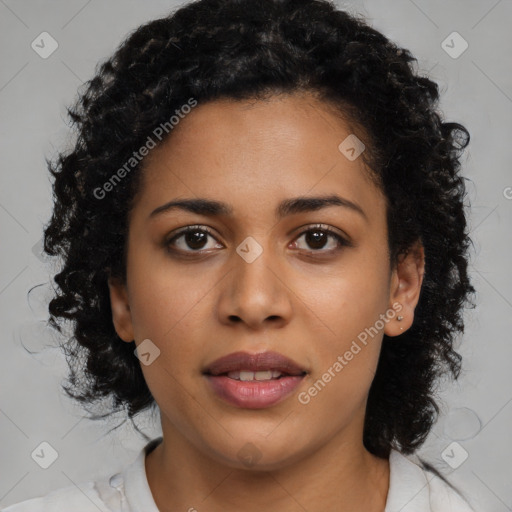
(317,227)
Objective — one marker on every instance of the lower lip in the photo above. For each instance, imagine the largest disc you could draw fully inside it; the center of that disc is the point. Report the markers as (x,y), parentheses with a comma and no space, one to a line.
(253,394)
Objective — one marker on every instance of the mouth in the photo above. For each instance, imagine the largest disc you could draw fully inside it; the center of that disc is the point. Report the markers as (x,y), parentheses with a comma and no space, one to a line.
(261,375)
(254,381)
(262,366)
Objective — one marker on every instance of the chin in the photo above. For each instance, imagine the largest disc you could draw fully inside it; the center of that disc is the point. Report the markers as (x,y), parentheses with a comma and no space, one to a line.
(259,452)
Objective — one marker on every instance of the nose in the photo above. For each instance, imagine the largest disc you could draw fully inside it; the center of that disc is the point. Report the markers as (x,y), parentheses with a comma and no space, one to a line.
(255,293)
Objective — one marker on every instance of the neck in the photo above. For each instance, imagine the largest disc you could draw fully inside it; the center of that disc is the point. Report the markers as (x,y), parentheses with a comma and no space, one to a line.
(341,475)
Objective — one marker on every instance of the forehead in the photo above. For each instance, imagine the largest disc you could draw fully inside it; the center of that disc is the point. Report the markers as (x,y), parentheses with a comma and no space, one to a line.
(257,151)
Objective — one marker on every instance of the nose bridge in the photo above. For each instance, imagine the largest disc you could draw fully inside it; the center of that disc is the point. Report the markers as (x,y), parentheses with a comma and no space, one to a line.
(254,272)
(256,288)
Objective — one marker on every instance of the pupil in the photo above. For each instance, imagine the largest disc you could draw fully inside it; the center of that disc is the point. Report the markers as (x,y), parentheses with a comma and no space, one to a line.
(195,238)
(314,237)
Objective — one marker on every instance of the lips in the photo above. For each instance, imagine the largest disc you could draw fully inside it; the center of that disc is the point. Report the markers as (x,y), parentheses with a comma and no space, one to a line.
(254,381)
(262,362)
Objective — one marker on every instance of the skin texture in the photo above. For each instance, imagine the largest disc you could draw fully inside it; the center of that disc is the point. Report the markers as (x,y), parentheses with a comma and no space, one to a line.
(307,302)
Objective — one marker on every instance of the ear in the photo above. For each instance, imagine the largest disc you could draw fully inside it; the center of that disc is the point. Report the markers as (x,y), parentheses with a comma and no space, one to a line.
(406,280)
(121,315)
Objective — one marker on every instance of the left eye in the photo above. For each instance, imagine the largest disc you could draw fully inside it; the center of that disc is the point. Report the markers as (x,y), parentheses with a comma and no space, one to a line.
(195,237)
(317,236)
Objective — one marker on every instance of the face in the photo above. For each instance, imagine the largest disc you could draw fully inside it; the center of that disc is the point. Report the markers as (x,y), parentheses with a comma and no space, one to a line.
(306,282)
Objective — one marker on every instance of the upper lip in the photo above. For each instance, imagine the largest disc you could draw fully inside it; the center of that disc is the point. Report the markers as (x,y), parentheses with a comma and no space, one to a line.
(238,361)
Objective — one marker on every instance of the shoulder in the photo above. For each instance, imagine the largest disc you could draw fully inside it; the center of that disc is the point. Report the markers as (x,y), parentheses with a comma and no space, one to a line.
(125,491)
(443,497)
(84,497)
(411,488)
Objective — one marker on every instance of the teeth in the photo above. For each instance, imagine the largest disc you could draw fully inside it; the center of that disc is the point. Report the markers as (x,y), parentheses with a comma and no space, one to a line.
(246,375)
(266,375)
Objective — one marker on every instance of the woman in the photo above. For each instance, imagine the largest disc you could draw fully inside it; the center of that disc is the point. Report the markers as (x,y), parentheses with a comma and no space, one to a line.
(263,234)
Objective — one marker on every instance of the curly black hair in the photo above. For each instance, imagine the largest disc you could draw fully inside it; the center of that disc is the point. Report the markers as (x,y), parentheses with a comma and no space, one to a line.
(250,49)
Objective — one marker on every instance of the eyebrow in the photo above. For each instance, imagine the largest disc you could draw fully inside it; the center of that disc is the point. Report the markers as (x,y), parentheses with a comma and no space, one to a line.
(210,207)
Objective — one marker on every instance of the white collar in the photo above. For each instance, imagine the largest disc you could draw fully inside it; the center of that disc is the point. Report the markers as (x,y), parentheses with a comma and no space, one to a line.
(411,489)
(408,485)
(136,486)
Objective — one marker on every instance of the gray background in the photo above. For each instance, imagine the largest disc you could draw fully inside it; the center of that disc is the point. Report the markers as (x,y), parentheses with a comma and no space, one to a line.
(477,91)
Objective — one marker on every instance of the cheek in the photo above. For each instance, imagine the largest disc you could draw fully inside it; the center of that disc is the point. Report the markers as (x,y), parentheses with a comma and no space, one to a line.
(169,309)
(170,312)
(171,321)
(164,299)
(349,306)
(351,300)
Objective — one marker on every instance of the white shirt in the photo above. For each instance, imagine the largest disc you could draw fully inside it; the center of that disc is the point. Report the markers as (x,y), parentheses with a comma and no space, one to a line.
(411,489)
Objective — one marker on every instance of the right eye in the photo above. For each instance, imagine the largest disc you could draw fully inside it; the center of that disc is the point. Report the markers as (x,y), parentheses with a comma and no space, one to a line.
(193,237)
